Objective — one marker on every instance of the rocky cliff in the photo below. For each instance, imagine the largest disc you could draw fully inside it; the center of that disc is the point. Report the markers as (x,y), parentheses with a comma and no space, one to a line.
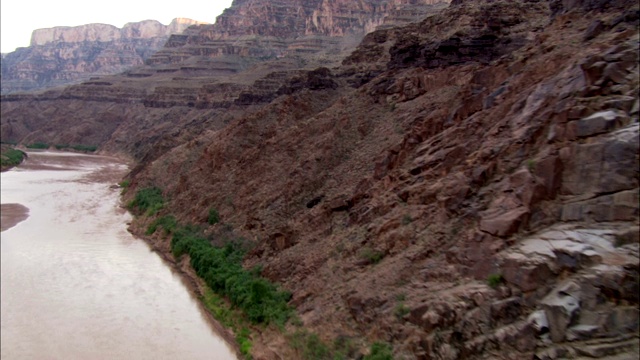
(461,187)
(103,32)
(223,68)
(272,29)
(65,55)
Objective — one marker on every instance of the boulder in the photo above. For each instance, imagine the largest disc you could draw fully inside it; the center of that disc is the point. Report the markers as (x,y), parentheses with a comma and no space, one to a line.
(615,72)
(507,310)
(593,70)
(595,28)
(623,320)
(600,122)
(504,224)
(561,307)
(526,272)
(582,332)
(604,165)
(538,320)
(623,103)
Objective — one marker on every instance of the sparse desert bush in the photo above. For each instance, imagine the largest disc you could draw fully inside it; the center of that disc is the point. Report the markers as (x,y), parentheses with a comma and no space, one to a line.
(401,310)
(38,145)
(494,280)
(370,255)
(531,165)
(83,148)
(168,223)
(148,200)
(380,351)
(214,216)
(309,346)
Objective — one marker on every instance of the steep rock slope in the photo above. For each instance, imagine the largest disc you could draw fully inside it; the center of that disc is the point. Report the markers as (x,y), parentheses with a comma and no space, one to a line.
(144,111)
(273,29)
(467,189)
(461,187)
(66,55)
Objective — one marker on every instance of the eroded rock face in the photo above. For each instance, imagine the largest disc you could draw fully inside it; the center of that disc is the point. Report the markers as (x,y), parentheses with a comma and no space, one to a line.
(268,29)
(103,32)
(64,55)
(481,206)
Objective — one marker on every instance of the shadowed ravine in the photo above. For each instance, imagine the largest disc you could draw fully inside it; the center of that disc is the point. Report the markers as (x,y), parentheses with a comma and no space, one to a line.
(76,284)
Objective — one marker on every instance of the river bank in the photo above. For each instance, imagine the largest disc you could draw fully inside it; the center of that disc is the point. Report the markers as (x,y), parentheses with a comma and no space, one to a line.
(72,265)
(191,280)
(11,215)
(10,157)
(266,342)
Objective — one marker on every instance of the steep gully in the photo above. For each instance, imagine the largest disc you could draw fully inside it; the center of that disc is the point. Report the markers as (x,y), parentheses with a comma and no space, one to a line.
(493,140)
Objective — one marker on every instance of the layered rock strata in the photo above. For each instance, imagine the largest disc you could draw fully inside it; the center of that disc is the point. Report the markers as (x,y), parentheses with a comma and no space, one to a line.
(66,55)
(290,28)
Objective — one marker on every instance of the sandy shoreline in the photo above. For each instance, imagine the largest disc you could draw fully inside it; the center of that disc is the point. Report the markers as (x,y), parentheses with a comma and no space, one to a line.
(11,215)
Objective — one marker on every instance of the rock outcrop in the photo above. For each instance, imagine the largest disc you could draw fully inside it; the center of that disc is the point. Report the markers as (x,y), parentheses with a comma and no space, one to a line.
(66,55)
(462,187)
(326,28)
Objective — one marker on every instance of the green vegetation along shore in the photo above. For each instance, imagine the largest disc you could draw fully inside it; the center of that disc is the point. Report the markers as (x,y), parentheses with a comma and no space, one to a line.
(10,156)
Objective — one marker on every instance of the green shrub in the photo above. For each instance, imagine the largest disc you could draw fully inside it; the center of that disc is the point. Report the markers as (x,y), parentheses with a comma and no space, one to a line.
(309,346)
(221,269)
(494,280)
(148,200)
(380,351)
(371,256)
(125,186)
(214,217)
(11,157)
(229,318)
(401,310)
(167,222)
(83,148)
(344,348)
(531,165)
(244,341)
(38,145)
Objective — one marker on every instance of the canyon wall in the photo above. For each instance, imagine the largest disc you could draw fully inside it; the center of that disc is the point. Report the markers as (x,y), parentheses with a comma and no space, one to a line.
(464,186)
(103,32)
(65,55)
(272,29)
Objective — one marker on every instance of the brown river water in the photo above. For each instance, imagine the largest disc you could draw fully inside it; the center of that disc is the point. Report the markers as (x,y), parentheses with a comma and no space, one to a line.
(75,284)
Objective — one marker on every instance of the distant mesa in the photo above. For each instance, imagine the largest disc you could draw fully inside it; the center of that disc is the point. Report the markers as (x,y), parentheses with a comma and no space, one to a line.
(103,32)
(65,55)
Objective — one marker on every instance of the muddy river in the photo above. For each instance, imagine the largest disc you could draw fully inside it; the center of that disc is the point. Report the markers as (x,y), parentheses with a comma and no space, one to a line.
(75,284)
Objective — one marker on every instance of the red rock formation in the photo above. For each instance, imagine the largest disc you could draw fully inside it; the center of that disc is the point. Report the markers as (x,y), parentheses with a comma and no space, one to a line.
(272,29)
(461,187)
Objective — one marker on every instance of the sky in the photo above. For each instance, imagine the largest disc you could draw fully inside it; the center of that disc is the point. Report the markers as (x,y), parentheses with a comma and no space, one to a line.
(18,18)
